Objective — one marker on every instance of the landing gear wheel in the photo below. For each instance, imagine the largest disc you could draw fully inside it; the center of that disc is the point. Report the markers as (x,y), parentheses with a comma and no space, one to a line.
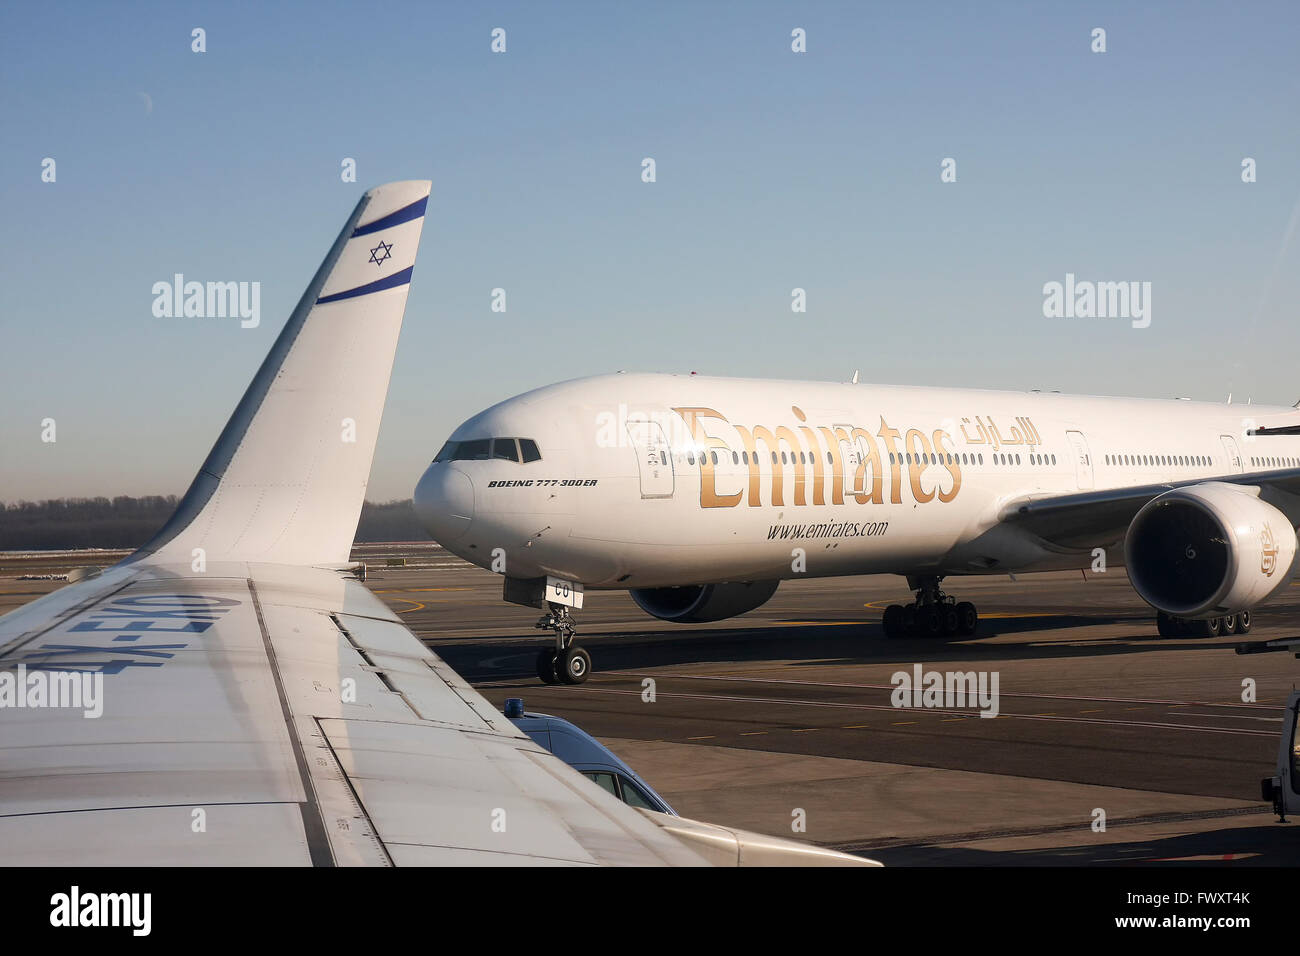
(546,666)
(573,665)
(1166,624)
(929,622)
(892,621)
(567,663)
(1243,622)
(1228,624)
(931,614)
(951,621)
(1208,628)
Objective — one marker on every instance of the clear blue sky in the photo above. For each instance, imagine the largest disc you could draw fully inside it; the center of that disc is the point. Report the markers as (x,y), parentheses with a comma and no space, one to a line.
(775,170)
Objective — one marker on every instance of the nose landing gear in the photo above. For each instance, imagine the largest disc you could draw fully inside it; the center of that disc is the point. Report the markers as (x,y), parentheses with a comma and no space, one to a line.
(566,663)
(932,614)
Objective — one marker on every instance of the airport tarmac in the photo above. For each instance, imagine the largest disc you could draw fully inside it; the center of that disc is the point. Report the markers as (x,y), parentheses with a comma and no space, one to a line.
(784,715)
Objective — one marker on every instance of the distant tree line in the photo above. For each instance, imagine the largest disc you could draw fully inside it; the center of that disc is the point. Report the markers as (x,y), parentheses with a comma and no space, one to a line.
(390,521)
(125,522)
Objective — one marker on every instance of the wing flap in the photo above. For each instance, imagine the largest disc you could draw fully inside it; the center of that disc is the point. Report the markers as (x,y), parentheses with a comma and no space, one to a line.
(405,666)
(434,788)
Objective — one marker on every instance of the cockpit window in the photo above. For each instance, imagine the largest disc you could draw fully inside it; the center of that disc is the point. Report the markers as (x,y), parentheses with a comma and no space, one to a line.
(475,450)
(481,449)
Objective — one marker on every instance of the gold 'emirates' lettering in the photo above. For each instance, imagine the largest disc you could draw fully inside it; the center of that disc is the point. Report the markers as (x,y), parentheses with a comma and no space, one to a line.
(709,498)
(816,460)
(889,436)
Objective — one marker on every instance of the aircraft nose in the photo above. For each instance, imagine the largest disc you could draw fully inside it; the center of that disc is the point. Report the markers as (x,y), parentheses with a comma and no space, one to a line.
(444,501)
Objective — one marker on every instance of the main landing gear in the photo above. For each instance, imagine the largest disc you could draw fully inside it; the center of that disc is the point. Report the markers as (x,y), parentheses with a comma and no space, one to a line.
(1170,626)
(566,663)
(932,614)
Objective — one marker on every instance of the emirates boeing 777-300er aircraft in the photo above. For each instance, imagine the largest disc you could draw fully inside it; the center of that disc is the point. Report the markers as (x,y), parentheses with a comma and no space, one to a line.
(699,495)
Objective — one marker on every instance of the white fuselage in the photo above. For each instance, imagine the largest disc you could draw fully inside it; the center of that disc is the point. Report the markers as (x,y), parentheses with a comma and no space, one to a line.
(867,479)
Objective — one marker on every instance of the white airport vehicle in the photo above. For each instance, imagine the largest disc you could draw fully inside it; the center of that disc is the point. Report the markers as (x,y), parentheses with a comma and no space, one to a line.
(1282,790)
(699,495)
(256,704)
(587,755)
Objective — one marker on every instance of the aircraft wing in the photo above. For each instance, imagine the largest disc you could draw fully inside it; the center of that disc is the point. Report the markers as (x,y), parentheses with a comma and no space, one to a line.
(266,714)
(1091,519)
(233,694)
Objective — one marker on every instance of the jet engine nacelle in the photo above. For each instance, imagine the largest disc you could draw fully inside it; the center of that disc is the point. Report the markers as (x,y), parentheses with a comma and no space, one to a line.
(698,603)
(1209,549)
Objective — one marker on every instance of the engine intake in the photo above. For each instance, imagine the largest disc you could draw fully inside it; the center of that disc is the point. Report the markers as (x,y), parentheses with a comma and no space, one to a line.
(1209,549)
(700,603)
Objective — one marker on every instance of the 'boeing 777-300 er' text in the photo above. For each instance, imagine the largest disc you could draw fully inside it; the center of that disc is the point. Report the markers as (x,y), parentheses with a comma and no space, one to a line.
(699,495)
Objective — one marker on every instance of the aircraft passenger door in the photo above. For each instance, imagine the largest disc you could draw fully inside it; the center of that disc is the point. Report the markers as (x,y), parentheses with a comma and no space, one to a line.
(1082,460)
(851,453)
(1234,456)
(654,459)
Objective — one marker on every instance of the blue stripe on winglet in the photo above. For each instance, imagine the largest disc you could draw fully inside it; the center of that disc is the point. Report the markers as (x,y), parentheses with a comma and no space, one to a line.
(414,211)
(379,285)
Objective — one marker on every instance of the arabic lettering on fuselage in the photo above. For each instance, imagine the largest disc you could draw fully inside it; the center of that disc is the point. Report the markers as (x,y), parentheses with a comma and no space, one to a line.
(992,436)
(833,464)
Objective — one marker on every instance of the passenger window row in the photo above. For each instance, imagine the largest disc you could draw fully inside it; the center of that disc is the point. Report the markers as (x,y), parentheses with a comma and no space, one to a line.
(1169,461)
(899,458)
(481,449)
(1001,458)
(1273,461)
